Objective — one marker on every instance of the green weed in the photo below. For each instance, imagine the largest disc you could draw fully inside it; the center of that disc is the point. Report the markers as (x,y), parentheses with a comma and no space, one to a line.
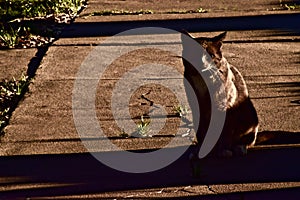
(10,94)
(142,128)
(12,9)
(287,6)
(120,12)
(9,37)
(290,6)
(180,110)
(14,14)
(199,10)
(144,12)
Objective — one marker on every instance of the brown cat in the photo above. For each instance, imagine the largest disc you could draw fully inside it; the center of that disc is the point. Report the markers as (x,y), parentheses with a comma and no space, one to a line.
(230,96)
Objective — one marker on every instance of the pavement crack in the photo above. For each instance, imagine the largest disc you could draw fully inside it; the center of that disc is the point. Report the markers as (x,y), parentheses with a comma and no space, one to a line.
(143,96)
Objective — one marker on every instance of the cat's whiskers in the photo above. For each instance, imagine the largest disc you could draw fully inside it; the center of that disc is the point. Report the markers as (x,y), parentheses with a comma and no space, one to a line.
(211,68)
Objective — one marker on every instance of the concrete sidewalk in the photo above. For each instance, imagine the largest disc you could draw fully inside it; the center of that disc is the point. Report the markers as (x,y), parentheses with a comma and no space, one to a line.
(43,124)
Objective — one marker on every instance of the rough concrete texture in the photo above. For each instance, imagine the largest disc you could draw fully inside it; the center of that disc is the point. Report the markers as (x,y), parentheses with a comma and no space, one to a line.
(44,157)
(270,69)
(14,62)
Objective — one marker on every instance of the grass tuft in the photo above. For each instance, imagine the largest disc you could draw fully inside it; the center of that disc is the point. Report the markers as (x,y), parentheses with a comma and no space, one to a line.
(17,19)
(121,12)
(144,12)
(142,129)
(9,36)
(11,93)
(287,6)
(199,10)
(180,110)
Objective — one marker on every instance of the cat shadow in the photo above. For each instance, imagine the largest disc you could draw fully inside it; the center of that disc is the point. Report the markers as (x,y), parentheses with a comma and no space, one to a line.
(75,174)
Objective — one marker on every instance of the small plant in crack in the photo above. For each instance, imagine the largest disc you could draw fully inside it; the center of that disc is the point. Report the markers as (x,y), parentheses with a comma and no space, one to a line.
(142,129)
(180,110)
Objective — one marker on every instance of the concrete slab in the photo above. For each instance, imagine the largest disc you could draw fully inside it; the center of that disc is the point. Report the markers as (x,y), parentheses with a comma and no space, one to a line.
(49,103)
(269,65)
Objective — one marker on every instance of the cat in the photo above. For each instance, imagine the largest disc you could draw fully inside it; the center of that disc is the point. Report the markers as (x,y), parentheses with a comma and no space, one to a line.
(241,121)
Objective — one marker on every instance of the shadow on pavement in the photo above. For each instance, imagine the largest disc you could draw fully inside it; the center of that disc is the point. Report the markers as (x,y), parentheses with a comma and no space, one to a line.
(277,138)
(260,22)
(286,193)
(71,174)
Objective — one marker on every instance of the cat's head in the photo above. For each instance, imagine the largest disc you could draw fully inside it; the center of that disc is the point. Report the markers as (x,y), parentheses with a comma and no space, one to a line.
(213,46)
(216,66)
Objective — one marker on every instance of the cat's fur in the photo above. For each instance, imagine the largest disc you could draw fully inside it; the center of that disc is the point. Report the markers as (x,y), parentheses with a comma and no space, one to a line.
(241,123)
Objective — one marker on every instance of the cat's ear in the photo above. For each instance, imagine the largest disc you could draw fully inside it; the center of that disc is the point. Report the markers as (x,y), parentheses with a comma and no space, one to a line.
(220,38)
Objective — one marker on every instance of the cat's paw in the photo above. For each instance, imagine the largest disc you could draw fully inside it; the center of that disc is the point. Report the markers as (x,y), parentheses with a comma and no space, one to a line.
(240,150)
